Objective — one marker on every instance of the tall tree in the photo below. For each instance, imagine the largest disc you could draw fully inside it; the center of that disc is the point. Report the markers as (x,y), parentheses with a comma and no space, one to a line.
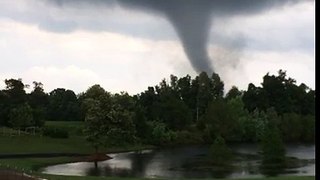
(233,93)
(219,119)
(38,101)
(21,116)
(63,105)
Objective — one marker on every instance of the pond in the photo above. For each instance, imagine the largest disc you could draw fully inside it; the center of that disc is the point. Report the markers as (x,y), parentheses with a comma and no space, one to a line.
(169,163)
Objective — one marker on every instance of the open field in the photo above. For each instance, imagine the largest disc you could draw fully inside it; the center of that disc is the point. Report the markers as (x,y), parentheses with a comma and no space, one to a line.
(73,127)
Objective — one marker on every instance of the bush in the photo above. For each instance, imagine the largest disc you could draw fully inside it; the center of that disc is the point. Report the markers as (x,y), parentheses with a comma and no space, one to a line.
(187,137)
(55,132)
(160,135)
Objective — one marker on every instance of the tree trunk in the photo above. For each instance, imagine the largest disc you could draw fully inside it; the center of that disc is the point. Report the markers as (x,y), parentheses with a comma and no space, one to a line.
(96,164)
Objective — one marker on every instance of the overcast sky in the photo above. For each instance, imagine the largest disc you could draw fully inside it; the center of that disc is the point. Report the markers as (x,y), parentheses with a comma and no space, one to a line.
(130,46)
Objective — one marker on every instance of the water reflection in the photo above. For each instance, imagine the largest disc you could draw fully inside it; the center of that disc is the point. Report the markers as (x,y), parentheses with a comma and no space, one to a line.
(169,163)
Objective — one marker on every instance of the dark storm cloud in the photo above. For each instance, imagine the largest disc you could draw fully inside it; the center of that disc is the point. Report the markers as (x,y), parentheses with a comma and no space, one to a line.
(191,19)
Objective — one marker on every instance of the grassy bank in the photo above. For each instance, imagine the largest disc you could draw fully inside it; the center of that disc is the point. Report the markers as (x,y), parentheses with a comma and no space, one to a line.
(37,144)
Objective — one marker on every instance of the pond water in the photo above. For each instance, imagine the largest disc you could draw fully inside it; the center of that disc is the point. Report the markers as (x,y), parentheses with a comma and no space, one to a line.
(169,163)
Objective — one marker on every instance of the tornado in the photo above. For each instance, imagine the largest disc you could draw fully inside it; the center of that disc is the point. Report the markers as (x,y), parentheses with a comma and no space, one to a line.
(191,19)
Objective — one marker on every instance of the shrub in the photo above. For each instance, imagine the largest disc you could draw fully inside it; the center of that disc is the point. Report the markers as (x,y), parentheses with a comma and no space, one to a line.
(160,135)
(187,137)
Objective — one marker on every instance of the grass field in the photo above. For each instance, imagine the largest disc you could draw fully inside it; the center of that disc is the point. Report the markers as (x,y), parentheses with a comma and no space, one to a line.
(73,127)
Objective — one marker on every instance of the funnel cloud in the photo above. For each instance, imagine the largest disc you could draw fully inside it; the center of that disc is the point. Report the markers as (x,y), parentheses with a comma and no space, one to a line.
(190,18)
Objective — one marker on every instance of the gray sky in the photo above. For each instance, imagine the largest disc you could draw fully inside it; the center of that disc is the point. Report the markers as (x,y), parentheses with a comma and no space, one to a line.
(129,45)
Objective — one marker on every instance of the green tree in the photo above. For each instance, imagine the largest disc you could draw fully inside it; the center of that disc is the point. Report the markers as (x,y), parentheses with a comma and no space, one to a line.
(291,127)
(109,122)
(308,128)
(217,86)
(15,90)
(241,119)
(38,101)
(233,93)
(21,116)
(219,119)
(11,97)
(63,105)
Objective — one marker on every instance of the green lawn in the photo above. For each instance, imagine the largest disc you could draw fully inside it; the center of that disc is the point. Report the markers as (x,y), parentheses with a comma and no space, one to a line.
(73,127)
(37,144)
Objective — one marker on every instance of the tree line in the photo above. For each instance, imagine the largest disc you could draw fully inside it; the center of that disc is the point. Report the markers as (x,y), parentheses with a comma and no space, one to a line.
(176,111)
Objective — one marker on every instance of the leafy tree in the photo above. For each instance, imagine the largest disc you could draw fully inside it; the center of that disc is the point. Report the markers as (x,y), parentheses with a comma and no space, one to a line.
(160,134)
(291,127)
(21,116)
(4,107)
(38,101)
(11,97)
(204,95)
(140,122)
(15,90)
(308,128)
(219,119)
(281,93)
(94,124)
(184,90)
(217,86)
(233,93)
(174,112)
(241,122)
(108,122)
(63,105)
(148,100)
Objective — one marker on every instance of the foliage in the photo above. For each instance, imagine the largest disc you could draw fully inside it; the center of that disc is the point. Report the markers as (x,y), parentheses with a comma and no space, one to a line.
(160,135)
(282,94)
(109,120)
(234,92)
(63,105)
(176,103)
(21,116)
(219,119)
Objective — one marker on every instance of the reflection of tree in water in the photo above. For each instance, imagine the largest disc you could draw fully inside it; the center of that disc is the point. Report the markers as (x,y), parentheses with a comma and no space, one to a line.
(112,171)
(272,169)
(222,171)
(93,171)
(107,170)
(139,161)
